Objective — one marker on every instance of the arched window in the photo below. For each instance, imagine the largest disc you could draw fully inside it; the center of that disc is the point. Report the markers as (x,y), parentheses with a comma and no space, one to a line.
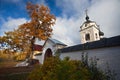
(87,37)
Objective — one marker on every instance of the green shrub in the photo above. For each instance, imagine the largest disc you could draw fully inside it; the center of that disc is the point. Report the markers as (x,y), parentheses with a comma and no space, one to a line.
(66,69)
(56,69)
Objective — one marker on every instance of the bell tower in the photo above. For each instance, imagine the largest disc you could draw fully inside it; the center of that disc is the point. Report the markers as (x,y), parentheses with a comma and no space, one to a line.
(90,31)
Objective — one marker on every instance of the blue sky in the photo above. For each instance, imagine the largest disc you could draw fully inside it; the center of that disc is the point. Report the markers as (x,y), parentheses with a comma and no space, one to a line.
(70,15)
(16,8)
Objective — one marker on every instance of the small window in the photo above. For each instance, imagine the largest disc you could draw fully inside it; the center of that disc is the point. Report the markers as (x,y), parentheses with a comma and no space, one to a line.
(96,35)
(85,25)
(87,37)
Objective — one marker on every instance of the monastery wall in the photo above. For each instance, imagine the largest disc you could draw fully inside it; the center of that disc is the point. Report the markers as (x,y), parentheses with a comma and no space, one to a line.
(110,55)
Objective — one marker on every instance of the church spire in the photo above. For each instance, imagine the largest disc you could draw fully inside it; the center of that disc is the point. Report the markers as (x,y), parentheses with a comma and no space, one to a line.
(87,17)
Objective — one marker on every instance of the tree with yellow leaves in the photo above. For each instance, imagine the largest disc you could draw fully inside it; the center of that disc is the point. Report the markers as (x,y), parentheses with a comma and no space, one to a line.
(40,26)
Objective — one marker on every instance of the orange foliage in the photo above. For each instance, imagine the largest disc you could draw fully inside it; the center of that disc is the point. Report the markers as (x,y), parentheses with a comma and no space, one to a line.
(40,26)
(41,22)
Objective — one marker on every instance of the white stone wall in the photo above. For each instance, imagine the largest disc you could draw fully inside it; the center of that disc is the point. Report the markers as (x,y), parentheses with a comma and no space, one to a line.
(95,31)
(39,57)
(110,55)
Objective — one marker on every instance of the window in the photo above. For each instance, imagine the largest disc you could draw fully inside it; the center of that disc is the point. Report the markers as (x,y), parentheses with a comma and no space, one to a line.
(87,37)
(96,35)
(85,25)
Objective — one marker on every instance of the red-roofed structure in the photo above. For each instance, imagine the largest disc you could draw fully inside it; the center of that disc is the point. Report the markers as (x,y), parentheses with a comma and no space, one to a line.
(38,47)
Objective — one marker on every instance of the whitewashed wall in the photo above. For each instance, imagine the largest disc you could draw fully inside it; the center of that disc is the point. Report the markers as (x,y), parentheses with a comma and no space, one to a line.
(110,55)
(39,57)
(48,45)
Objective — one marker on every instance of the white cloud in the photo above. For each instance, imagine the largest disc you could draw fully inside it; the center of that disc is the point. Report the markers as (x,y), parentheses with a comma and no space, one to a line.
(106,13)
(11,24)
(66,30)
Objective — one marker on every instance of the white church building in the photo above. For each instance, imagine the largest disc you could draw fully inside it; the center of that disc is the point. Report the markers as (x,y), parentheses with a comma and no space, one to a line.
(90,31)
(107,50)
(50,47)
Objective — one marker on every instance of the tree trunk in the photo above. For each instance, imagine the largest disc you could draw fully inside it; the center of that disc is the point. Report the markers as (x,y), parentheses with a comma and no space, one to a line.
(32,47)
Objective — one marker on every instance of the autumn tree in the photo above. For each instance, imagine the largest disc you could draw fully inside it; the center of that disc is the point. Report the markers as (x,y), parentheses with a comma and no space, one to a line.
(39,26)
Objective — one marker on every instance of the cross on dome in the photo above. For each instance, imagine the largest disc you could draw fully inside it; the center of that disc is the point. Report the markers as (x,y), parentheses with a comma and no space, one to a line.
(87,17)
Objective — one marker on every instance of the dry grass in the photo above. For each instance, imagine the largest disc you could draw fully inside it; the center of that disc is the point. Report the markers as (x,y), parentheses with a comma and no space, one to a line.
(7,64)
(7,59)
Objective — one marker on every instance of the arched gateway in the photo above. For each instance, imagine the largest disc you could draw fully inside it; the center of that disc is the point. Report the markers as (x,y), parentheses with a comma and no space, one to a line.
(48,53)
(49,48)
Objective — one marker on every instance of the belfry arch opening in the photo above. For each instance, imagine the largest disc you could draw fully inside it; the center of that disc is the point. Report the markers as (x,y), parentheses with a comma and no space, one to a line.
(87,37)
(48,53)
